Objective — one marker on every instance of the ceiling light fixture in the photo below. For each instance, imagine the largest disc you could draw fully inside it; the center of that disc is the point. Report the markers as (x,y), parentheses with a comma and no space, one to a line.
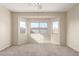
(37,5)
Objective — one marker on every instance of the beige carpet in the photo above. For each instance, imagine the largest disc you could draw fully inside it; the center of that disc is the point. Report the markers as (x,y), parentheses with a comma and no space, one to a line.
(39,50)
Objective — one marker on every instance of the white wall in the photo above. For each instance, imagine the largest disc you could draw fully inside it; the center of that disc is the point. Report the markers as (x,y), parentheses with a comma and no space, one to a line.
(5,28)
(73,28)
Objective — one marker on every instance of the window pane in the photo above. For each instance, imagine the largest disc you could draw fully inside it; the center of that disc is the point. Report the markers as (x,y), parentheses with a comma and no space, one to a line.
(34,25)
(34,30)
(22,26)
(39,27)
(55,26)
(43,31)
(43,25)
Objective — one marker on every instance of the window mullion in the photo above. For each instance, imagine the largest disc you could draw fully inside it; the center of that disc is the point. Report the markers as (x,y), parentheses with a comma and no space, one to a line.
(39,27)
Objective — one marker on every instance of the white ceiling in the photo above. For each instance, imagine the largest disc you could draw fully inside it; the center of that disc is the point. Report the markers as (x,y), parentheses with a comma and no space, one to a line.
(46,7)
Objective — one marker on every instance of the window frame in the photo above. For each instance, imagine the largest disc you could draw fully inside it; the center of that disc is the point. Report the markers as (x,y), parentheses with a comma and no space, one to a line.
(39,28)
